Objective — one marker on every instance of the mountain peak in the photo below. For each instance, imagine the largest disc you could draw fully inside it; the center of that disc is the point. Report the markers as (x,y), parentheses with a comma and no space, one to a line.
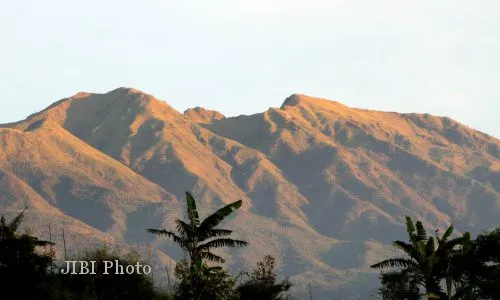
(131,95)
(202,115)
(123,93)
(125,90)
(293,100)
(304,100)
(80,95)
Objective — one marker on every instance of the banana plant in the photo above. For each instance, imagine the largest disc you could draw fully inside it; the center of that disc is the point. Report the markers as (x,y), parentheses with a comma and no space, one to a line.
(426,258)
(197,238)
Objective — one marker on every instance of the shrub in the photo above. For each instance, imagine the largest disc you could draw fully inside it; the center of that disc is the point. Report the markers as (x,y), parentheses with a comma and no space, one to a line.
(263,284)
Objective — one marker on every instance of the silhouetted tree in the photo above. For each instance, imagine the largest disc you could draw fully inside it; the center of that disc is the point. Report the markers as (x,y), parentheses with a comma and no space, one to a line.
(476,273)
(197,238)
(24,268)
(208,283)
(100,286)
(398,286)
(425,263)
(263,283)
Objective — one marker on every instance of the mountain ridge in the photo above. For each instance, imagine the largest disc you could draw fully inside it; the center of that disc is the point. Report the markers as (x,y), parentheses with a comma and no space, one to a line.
(319,180)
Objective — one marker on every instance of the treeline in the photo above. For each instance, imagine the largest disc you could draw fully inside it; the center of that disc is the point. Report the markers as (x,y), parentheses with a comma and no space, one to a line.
(433,267)
(28,269)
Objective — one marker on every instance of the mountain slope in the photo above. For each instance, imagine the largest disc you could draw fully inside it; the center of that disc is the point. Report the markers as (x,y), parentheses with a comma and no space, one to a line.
(371,161)
(74,177)
(325,186)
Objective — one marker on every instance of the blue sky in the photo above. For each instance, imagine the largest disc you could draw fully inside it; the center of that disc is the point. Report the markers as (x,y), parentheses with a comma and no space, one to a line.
(242,57)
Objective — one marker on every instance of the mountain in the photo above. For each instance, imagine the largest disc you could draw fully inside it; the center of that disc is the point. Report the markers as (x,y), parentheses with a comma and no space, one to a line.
(325,187)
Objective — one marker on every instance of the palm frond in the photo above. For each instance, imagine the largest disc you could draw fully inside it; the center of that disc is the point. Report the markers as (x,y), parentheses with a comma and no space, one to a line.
(14,224)
(218,232)
(405,247)
(214,219)
(420,245)
(430,246)
(167,233)
(184,229)
(451,244)
(432,261)
(395,263)
(410,227)
(192,210)
(197,237)
(446,235)
(421,233)
(218,243)
(212,257)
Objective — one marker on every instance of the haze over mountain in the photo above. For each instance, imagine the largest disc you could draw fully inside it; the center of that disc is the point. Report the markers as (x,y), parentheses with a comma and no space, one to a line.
(325,187)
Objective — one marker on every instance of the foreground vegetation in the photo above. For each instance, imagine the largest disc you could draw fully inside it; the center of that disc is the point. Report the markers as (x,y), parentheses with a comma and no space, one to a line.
(28,269)
(443,268)
(432,267)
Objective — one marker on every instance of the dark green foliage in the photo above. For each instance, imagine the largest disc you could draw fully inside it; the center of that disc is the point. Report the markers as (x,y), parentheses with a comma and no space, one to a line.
(467,269)
(487,256)
(398,286)
(205,283)
(476,273)
(197,238)
(427,259)
(263,284)
(109,286)
(25,272)
(24,267)
(441,266)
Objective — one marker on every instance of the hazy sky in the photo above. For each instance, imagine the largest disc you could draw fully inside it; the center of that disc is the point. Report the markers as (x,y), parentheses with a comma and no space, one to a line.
(241,57)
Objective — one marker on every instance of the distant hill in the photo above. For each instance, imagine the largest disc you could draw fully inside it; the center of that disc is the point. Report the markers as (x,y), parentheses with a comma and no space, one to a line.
(325,186)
